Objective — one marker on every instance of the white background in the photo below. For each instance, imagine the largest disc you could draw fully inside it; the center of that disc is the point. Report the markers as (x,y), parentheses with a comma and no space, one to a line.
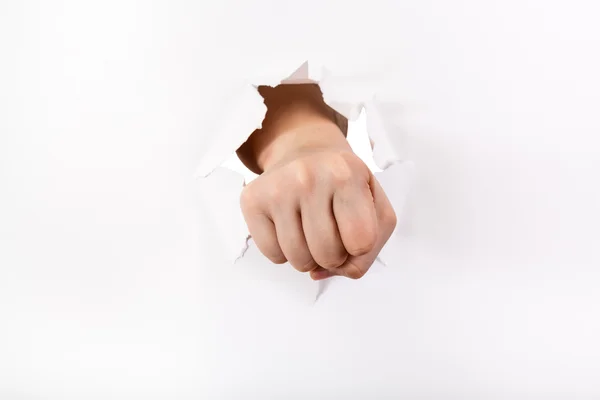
(113,286)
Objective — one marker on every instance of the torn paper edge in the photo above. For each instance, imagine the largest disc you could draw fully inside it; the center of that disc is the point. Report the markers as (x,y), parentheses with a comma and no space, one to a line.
(347,95)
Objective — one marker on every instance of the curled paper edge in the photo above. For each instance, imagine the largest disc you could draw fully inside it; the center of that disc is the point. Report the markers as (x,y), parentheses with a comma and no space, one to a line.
(347,95)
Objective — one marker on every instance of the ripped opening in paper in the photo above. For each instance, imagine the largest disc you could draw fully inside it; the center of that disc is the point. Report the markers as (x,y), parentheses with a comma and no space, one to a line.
(354,98)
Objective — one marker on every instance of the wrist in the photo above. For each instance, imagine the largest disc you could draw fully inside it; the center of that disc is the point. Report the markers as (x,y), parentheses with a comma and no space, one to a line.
(297,120)
(310,137)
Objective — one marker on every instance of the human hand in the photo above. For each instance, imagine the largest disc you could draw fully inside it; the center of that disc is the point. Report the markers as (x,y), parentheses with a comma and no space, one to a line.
(318,206)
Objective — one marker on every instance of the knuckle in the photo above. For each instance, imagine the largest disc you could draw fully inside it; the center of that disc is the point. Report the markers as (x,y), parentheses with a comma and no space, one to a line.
(306,267)
(276,193)
(330,262)
(303,176)
(340,169)
(365,242)
(247,198)
(355,272)
(390,219)
(362,236)
(276,258)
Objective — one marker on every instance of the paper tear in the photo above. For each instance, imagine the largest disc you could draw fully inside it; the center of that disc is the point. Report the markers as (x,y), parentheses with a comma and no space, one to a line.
(379,260)
(322,288)
(244,249)
(353,98)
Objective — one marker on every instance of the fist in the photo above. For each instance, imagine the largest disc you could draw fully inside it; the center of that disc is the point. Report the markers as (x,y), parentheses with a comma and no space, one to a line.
(321,210)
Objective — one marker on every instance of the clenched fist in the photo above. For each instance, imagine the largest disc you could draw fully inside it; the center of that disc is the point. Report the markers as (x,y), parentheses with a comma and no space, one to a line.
(315,204)
(322,210)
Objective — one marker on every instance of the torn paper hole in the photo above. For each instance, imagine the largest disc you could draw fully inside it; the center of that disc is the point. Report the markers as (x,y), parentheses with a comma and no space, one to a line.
(222,175)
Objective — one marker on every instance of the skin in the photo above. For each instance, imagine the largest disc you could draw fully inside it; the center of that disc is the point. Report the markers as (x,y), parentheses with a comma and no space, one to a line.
(315,204)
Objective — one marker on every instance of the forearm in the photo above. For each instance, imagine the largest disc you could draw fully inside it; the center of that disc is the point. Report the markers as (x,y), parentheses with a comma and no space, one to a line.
(297,118)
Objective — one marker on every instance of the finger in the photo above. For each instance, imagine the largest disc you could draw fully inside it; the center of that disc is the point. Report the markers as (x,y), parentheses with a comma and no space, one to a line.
(292,242)
(357,266)
(321,273)
(262,230)
(321,231)
(354,211)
